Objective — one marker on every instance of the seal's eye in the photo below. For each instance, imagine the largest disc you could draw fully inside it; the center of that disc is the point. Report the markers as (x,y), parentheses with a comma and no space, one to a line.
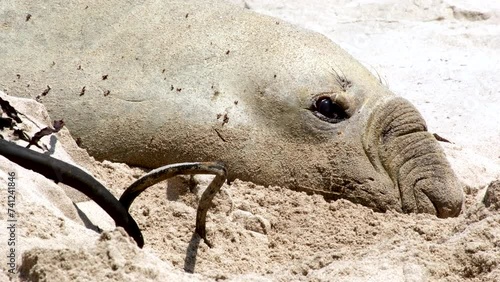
(329,111)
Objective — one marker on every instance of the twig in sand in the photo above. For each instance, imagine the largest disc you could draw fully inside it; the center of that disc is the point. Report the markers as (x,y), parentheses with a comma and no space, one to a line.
(165,172)
(73,176)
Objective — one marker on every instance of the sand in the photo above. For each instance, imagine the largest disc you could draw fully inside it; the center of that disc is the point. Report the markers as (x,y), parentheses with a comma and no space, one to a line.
(441,55)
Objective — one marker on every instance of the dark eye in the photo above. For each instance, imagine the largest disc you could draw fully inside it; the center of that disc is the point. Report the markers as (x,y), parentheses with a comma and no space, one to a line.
(329,111)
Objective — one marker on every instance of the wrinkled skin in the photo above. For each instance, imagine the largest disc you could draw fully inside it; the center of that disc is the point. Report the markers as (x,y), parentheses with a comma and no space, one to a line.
(169,81)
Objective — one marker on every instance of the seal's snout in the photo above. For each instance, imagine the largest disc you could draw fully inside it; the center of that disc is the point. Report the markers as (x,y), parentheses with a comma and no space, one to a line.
(398,144)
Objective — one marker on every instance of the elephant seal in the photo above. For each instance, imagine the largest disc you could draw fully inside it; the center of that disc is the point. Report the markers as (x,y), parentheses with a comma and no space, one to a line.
(156,82)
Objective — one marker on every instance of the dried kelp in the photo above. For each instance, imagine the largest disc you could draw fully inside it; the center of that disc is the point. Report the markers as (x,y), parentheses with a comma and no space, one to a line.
(9,110)
(57,125)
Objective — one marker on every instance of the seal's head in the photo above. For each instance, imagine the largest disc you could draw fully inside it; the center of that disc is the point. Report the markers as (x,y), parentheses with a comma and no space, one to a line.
(182,81)
(322,123)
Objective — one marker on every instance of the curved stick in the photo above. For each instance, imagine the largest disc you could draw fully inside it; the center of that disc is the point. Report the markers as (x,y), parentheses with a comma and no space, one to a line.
(168,171)
(71,175)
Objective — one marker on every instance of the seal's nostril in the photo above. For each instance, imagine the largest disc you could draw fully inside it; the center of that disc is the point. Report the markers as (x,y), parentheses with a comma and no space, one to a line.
(329,111)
